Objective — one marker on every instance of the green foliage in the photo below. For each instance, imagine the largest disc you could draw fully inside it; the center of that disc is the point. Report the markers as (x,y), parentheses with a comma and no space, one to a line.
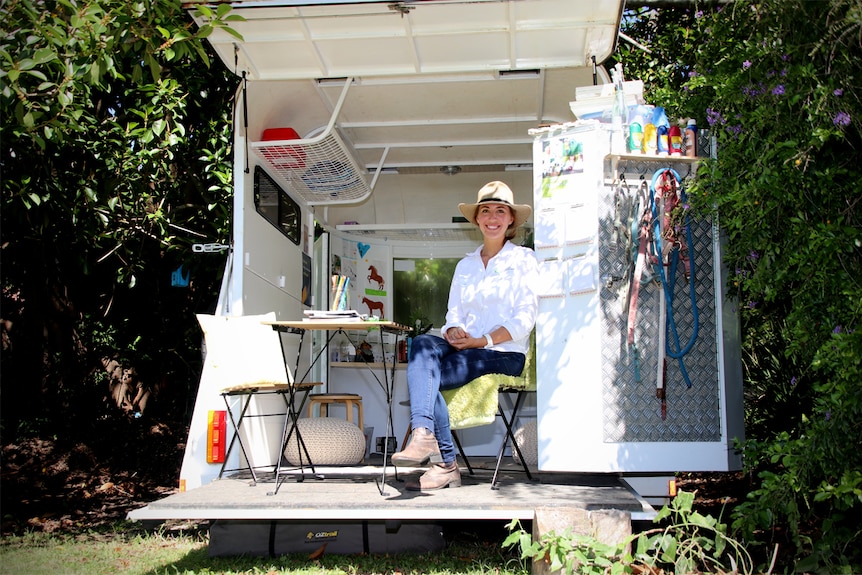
(777,84)
(688,542)
(116,159)
(691,542)
(567,552)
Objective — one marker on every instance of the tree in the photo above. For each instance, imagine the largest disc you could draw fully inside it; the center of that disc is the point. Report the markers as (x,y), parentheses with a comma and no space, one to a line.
(777,83)
(116,159)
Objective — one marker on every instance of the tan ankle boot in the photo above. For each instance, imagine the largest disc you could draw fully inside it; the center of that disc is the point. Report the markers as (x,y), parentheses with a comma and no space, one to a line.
(421,450)
(437,477)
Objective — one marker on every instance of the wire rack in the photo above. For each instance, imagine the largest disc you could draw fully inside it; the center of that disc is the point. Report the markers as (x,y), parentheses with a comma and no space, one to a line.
(320,170)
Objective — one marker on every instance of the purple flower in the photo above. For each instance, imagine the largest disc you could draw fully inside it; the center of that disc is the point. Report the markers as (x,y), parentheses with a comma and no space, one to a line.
(752,304)
(793,381)
(838,92)
(692,74)
(783,72)
(746,65)
(753,256)
(778,90)
(698,14)
(828,415)
(841,119)
(836,329)
(713,117)
(785,57)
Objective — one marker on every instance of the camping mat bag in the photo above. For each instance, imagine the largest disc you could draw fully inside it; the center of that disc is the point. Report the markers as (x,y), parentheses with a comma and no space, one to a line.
(272,538)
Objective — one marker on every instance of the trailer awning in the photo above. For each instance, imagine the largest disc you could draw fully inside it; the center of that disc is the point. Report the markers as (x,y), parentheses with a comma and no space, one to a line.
(313,39)
(435,86)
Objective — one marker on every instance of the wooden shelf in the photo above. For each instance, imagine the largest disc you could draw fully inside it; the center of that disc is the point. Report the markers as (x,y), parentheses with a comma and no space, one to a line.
(372,365)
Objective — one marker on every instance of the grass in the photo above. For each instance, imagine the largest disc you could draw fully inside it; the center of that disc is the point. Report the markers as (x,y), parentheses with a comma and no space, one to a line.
(128,550)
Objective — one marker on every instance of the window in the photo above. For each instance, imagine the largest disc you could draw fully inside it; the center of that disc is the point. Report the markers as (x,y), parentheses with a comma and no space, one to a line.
(421,290)
(276,206)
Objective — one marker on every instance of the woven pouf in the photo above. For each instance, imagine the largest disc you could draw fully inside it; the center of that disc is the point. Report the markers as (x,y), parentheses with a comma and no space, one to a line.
(528,443)
(329,440)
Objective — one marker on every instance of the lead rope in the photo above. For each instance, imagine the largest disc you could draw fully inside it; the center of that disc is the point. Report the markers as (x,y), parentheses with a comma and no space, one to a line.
(672,194)
(661,361)
(640,230)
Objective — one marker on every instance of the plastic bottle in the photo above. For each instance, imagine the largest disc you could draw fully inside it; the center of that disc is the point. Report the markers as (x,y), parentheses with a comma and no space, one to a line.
(650,139)
(675,136)
(691,139)
(346,350)
(662,126)
(636,137)
(618,136)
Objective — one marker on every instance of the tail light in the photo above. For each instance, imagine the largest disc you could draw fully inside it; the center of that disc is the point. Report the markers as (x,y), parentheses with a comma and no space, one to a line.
(216,435)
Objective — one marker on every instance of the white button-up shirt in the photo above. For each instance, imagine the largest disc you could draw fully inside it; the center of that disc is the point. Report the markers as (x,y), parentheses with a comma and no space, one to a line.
(505,294)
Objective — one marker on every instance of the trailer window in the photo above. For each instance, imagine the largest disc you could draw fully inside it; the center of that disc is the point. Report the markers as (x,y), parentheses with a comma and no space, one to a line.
(421,290)
(275,205)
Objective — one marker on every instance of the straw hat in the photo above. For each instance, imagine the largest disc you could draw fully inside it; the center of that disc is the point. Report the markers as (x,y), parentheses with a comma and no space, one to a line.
(497,193)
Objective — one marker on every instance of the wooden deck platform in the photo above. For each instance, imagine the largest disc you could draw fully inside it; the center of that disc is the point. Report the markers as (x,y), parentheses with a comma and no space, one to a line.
(349,493)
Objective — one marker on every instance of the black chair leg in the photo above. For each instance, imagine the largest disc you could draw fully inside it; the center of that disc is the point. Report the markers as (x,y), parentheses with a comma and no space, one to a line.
(461,451)
(510,435)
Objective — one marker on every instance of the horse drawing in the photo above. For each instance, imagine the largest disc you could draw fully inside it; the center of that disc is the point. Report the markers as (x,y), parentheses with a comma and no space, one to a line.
(373,305)
(373,276)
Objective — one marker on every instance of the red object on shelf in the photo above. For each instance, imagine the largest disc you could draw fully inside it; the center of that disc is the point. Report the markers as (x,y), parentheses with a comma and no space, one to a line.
(283,156)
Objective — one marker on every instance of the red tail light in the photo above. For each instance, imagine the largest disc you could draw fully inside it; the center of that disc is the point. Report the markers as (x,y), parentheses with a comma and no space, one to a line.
(216,435)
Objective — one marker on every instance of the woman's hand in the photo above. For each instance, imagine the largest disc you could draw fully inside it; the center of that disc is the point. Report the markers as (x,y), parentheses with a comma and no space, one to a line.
(460,339)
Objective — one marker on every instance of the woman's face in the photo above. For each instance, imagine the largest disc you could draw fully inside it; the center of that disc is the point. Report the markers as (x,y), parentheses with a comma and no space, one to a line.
(494,219)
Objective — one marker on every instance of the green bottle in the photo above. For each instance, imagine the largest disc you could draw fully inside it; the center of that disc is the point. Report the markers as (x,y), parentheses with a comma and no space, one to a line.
(636,138)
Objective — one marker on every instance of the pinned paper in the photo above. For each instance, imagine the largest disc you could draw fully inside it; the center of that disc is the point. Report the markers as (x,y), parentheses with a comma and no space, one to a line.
(552,273)
(581,274)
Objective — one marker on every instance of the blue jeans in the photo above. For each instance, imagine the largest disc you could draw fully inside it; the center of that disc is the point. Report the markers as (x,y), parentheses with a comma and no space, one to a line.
(434,365)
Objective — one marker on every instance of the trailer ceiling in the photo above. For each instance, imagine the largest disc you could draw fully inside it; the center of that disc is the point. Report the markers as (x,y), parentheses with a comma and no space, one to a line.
(437,85)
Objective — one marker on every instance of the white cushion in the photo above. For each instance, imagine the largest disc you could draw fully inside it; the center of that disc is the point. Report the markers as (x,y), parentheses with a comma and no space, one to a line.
(329,440)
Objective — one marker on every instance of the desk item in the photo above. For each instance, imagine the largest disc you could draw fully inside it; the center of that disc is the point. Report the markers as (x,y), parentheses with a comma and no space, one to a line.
(338,326)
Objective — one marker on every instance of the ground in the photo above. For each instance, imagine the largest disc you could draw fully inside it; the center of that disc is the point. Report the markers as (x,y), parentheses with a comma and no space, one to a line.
(52,487)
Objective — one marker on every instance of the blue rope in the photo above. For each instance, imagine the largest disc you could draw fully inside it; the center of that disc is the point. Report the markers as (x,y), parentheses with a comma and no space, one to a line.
(669,284)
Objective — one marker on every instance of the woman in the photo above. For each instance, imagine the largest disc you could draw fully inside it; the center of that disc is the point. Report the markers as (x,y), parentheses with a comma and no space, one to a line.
(491,312)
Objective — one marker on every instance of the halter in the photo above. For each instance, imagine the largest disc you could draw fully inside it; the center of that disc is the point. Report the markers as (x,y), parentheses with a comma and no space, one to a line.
(656,238)
(668,185)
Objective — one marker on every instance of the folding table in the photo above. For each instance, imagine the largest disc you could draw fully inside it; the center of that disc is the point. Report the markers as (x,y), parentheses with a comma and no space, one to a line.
(336,326)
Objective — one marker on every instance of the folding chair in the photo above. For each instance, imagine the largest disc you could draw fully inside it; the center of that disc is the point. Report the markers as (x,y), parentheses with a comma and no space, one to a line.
(245,358)
(480,402)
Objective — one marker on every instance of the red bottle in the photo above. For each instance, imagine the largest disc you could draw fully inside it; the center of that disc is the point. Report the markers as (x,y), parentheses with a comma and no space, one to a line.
(675,135)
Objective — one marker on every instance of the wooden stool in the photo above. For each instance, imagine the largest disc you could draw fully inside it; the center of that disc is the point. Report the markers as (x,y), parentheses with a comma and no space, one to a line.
(348,399)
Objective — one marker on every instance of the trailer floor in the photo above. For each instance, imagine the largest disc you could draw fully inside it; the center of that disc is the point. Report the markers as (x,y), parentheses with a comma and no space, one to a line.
(348,493)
